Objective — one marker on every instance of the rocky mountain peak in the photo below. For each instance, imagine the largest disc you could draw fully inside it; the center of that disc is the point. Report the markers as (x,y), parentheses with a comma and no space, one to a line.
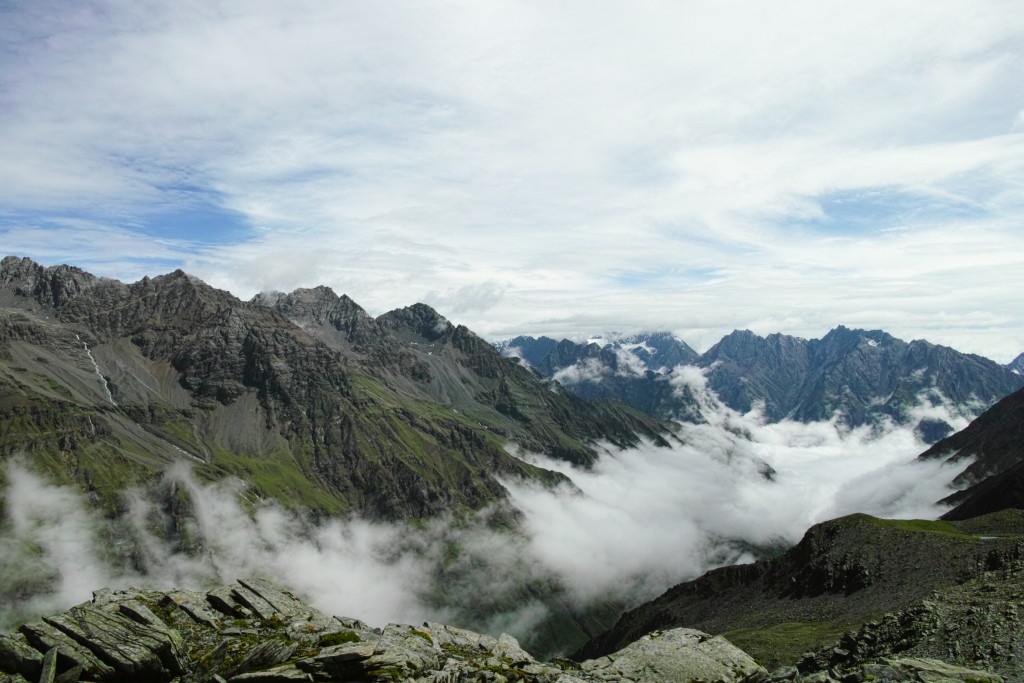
(1017,365)
(52,286)
(318,305)
(737,343)
(418,320)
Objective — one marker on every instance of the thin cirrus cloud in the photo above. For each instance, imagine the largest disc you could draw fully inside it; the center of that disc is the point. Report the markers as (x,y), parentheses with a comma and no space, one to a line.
(539,169)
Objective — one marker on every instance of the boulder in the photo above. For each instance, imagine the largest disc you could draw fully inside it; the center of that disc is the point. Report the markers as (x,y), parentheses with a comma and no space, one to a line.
(679,655)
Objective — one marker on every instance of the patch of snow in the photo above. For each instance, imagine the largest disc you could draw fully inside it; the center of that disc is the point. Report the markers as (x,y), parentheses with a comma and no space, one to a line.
(636,345)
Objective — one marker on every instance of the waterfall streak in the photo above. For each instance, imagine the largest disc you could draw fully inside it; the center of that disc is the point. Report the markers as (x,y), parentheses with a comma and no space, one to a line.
(95,365)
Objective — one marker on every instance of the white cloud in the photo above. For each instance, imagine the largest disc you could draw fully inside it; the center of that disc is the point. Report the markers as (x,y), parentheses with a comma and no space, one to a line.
(636,523)
(587,370)
(408,151)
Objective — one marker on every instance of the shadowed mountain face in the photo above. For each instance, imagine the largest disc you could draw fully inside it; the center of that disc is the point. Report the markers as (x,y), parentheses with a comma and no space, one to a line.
(995,443)
(304,396)
(863,376)
(1017,364)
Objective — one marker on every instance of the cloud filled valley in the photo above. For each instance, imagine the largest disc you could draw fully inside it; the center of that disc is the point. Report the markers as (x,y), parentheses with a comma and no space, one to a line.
(640,520)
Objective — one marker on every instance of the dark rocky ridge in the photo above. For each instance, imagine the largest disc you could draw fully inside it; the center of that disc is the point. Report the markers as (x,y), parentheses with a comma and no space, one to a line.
(338,419)
(848,574)
(995,443)
(253,632)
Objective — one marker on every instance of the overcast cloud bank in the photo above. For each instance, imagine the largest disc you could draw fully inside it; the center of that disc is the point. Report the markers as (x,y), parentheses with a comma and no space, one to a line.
(537,168)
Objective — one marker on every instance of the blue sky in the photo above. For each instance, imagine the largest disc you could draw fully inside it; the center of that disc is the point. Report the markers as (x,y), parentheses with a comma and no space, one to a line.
(537,168)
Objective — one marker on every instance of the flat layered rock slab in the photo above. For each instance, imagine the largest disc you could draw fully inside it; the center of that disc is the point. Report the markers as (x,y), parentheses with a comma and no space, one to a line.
(222,601)
(70,654)
(930,670)
(254,602)
(402,651)
(281,600)
(281,674)
(131,648)
(339,662)
(197,607)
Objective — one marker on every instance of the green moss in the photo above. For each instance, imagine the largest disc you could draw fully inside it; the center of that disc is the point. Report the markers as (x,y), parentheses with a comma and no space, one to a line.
(390,674)
(339,637)
(423,634)
(274,622)
(924,526)
(784,644)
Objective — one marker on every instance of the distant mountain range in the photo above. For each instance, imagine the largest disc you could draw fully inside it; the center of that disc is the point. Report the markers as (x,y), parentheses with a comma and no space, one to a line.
(859,376)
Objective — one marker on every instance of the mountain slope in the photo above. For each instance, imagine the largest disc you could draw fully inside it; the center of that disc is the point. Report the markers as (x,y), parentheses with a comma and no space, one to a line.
(420,355)
(104,383)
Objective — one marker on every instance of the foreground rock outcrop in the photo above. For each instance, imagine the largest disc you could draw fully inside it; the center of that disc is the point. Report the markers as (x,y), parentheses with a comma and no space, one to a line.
(254,632)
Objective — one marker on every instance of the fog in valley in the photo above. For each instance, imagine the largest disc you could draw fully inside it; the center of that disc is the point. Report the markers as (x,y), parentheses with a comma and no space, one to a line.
(636,523)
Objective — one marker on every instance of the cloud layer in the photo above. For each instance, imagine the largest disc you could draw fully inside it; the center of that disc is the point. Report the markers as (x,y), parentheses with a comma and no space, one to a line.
(640,521)
(534,168)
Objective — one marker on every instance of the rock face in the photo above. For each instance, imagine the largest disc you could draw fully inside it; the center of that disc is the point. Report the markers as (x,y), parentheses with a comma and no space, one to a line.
(255,632)
(863,375)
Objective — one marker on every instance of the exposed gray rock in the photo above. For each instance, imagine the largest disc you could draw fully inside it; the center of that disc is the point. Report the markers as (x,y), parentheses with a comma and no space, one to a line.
(134,649)
(280,674)
(178,637)
(677,655)
(49,668)
(43,637)
(17,656)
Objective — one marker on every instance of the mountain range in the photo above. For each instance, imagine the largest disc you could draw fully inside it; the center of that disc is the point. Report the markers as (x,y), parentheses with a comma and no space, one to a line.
(320,407)
(304,396)
(856,376)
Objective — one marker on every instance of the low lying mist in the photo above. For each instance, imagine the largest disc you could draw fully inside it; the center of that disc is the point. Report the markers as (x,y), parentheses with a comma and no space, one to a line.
(638,522)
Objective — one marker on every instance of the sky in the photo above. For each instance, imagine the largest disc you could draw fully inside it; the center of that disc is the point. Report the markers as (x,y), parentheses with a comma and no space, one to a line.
(529,167)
